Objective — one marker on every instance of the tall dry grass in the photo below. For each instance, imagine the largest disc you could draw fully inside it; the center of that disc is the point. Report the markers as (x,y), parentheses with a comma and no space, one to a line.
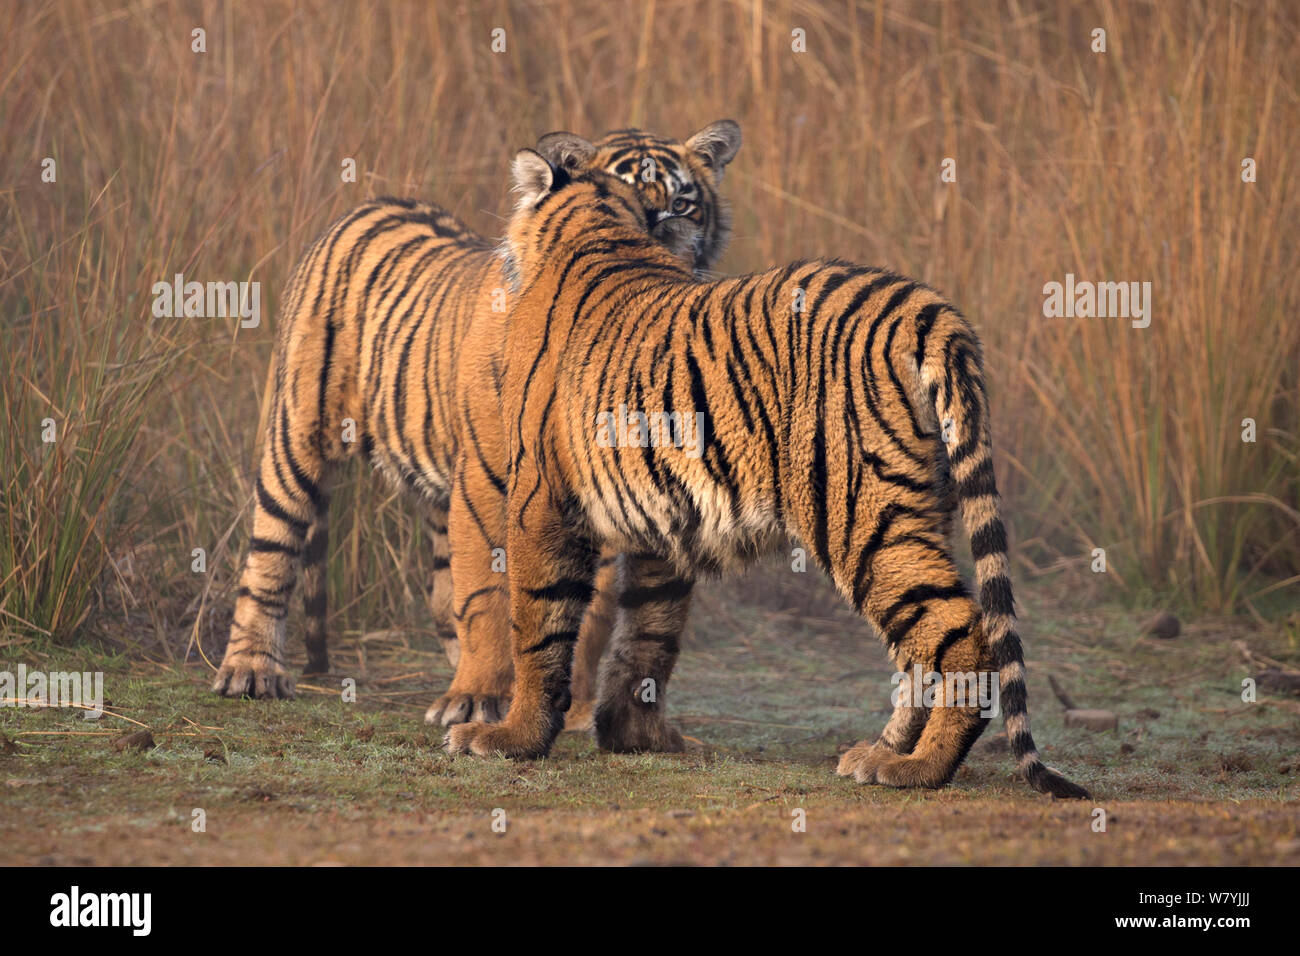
(223,165)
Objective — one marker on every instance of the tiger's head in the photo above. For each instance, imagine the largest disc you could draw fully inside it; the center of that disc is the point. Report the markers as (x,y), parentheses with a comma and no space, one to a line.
(675,182)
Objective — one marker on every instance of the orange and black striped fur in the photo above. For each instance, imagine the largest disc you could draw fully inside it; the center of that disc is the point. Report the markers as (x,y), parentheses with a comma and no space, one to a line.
(826,391)
(378,317)
(685,215)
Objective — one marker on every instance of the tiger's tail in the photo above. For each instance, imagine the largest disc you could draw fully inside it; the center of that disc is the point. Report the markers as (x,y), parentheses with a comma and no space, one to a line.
(951,369)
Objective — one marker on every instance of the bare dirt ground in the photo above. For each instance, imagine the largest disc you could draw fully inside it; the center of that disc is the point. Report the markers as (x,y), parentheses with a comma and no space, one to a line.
(768,696)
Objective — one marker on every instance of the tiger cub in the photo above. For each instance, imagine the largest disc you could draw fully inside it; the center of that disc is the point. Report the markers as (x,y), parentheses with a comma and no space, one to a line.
(678,184)
(841,405)
(374,336)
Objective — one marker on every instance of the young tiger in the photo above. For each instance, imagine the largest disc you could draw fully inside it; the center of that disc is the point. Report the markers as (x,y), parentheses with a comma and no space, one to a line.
(686,215)
(379,317)
(825,392)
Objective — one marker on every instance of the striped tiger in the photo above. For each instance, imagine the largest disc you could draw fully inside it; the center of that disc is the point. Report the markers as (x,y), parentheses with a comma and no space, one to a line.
(370,352)
(839,405)
(678,184)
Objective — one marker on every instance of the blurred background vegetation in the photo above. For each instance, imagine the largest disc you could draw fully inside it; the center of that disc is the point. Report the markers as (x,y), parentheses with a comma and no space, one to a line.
(223,165)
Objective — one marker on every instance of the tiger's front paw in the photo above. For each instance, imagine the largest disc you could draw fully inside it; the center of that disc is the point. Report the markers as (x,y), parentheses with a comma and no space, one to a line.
(505,740)
(462,708)
(253,674)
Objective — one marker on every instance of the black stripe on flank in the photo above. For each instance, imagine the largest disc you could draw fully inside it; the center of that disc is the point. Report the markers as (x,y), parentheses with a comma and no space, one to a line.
(899,630)
(924,322)
(853,311)
(566,589)
(674,590)
(706,328)
(947,641)
(920,594)
(990,539)
(877,465)
(327,361)
(440,563)
(497,481)
(861,579)
(308,487)
(873,392)
(559,637)
(904,397)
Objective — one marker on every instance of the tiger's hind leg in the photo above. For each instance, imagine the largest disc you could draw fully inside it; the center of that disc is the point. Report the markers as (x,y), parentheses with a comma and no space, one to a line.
(901,732)
(593,637)
(314,602)
(653,600)
(928,621)
(289,502)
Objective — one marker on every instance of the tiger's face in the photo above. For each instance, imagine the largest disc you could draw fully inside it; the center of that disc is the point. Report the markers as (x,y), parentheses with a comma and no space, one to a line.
(677,179)
(675,182)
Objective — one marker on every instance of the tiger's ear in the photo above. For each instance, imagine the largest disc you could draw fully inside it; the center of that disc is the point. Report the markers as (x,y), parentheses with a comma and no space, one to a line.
(534,177)
(717,145)
(566,150)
